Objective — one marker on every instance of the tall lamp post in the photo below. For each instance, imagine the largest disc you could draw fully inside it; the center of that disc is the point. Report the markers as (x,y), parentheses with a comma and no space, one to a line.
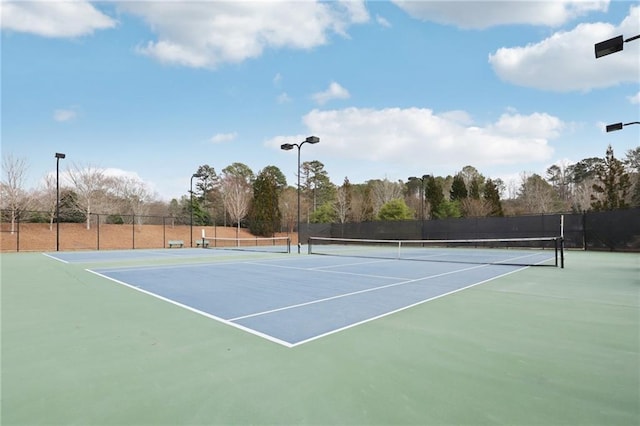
(619,126)
(191,207)
(608,47)
(287,147)
(59,155)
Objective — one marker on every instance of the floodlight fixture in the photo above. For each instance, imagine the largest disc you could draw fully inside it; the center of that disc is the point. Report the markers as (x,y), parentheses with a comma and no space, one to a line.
(58,157)
(619,126)
(195,175)
(312,139)
(614,127)
(613,45)
(288,147)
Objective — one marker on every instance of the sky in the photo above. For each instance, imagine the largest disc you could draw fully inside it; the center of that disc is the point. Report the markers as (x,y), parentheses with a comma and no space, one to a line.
(153,89)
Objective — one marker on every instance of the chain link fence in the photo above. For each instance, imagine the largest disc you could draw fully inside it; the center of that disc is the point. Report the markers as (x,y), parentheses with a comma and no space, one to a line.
(35,231)
(617,230)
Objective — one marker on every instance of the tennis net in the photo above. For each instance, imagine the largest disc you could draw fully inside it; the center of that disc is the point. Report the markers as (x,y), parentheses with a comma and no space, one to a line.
(265,244)
(548,251)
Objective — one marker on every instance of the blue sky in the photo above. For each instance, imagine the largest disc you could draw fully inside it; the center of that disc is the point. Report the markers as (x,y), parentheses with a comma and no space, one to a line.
(153,89)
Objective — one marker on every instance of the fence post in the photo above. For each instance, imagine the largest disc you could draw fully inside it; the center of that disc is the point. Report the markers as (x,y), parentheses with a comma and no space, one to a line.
(164,231)
(584,230)
(98,231)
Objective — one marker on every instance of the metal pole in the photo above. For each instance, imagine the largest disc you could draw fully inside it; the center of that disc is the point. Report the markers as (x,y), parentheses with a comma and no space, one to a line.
(191,211)
(57,203)
(98,232)
(299,146)
(59,155)
(422,194)
(287,147)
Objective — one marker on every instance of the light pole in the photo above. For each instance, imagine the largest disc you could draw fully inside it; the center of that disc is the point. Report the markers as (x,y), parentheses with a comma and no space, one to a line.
(58,157)
(619,126)
(612,45)
(287,147)
(608,47)
(421,179)
(191,207)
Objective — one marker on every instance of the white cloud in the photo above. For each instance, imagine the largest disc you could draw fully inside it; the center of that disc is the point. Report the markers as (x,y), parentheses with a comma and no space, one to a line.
(334,91)
(224,137)
(383,22)
(635,99)
(207,34)
(483,14)
(62,115)
(536,125)
(566,61)
(413,137)
(277,80)
(119,173)
(54,18)
(283,98)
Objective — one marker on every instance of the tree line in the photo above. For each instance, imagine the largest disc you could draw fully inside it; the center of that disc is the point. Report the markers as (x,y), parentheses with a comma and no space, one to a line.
(265,203)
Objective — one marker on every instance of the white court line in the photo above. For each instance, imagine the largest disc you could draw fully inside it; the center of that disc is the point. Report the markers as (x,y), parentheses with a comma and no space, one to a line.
(339,296)
(327,272)
(102,256)
(55,258)
(197,311)
(174,266)
(355,324)
(285,343)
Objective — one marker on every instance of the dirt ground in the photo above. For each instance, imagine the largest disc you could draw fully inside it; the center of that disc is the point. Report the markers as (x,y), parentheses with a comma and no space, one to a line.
(75,236)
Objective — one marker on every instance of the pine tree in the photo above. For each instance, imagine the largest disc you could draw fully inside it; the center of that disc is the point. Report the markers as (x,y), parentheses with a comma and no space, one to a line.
(474,189)
(492,196)
(265,214)
(433,194)
(633,164)
(458,188)
(613,186)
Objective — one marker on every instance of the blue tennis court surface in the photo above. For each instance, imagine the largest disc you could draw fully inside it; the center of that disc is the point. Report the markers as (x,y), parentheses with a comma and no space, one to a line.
(293,299)
(140,254)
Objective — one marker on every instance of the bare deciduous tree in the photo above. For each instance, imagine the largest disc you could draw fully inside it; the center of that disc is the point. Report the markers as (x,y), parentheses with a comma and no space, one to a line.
(236,196)
(472,207)
(289,207)
(133,194)
(537,195)
(91,187)
(383,191)
(582,194)
(342,204)
(14,196)
(48,198)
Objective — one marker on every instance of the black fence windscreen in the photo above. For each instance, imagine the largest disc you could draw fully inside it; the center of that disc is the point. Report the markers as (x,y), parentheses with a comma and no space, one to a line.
(616,230)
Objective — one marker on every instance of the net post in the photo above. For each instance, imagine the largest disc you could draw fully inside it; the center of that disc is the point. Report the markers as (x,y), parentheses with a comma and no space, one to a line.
(555,244)
(309,245)
(562,252)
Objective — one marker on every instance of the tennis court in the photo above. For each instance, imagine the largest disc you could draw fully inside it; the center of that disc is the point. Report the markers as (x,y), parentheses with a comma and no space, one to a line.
(194,336)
